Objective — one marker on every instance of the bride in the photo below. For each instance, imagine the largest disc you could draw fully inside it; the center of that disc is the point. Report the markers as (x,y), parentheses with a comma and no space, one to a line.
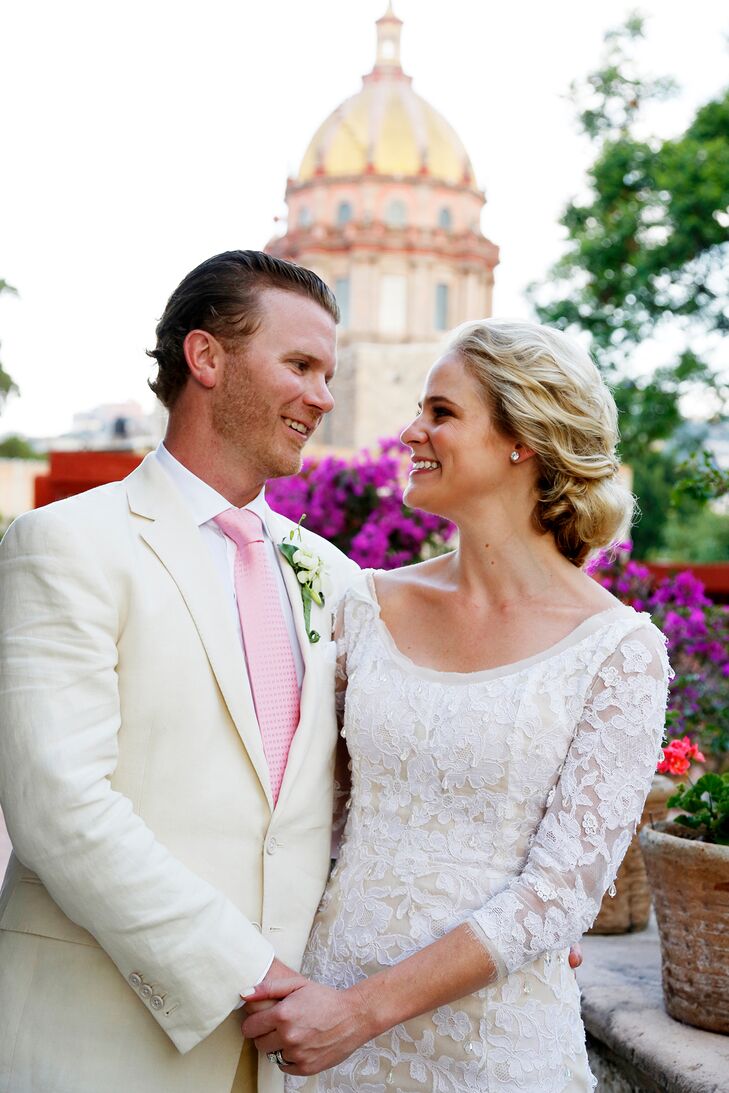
(502,715)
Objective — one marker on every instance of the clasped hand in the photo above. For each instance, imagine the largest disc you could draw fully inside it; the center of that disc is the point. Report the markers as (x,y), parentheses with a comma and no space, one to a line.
(314,1027)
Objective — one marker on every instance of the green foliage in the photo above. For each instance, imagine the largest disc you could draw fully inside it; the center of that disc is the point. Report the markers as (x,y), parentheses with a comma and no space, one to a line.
(650,243)
(649,406)
(647,249)
(700,537)
(16,447)
(706,805)
(7,385)
(703,479)
(611,97)
(653,479)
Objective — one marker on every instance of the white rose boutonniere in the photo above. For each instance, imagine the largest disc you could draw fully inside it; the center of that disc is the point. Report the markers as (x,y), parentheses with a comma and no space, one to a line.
(309,570)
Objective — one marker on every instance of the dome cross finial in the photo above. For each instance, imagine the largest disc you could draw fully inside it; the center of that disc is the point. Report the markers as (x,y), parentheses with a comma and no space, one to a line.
(388,40)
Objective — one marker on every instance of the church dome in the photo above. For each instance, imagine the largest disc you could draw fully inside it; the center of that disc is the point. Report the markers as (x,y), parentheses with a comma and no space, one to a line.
(387,129)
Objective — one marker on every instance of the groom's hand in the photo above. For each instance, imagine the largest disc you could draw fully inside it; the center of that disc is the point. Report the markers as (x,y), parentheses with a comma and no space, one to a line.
(260,1000)
(313,1027)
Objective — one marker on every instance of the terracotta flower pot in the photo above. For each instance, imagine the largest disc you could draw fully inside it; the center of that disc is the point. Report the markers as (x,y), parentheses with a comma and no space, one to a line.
(628,910)
(689,880)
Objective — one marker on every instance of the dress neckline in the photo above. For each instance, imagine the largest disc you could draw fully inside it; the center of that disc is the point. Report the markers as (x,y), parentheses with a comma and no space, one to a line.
(583,629)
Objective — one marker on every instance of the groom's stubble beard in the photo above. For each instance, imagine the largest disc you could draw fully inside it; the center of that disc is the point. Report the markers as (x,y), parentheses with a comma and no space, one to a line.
(244,418)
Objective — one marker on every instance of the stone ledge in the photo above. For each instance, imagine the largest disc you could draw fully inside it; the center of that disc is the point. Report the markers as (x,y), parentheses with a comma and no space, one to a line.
(634,1046)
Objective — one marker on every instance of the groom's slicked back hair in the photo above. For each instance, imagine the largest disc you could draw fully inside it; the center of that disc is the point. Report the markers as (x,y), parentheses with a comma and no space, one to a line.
(221,296)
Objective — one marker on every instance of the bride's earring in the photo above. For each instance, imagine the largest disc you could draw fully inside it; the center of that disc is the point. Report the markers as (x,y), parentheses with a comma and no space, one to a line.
(514,457)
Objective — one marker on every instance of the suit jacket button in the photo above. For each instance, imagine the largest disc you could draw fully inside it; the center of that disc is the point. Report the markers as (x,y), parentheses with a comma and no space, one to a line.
(135,980)
(156,1002)
(272,845)
(146,992)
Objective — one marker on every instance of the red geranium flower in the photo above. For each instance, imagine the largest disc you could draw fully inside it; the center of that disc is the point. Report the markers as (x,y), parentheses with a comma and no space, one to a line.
(677,757)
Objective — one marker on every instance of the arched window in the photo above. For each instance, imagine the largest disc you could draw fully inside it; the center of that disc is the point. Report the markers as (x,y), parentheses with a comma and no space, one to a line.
(441,307)
(344,212)
(305,217)
(445,219)
(341,291)
(393,304)
(396,214)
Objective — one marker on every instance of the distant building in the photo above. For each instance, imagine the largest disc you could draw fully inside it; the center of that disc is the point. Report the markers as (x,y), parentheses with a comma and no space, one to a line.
(386,209)
(103,445)
(113,426)
(17,494)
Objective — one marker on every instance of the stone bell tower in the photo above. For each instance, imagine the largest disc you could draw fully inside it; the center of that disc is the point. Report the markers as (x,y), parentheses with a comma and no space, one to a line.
(386,209)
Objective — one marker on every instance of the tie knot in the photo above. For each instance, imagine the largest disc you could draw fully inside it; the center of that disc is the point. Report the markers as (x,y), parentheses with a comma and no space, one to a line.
(241,525)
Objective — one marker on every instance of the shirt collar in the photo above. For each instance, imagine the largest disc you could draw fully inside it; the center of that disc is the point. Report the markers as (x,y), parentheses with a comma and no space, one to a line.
(202,500)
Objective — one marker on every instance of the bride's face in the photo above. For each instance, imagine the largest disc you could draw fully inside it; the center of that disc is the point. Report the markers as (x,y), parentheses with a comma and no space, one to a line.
(458,455)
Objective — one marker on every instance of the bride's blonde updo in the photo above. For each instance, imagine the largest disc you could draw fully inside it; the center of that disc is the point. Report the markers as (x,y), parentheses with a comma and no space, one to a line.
(543,389)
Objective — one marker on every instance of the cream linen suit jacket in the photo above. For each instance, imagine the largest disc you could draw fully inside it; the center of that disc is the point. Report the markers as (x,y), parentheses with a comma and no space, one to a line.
(152,877)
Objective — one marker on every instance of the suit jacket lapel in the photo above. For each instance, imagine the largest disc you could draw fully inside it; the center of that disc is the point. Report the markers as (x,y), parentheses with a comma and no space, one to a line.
(313,655)
(175,538)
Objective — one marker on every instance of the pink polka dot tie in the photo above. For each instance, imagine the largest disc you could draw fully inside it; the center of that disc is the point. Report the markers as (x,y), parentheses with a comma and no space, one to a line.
(271,667)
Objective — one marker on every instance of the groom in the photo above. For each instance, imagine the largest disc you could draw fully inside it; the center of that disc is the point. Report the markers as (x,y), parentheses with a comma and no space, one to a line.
(167,721)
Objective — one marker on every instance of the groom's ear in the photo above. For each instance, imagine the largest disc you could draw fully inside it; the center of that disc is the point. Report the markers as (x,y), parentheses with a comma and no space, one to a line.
(205,356)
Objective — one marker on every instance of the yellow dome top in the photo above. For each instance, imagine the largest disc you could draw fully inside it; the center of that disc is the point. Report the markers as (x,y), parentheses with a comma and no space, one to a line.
(387,129)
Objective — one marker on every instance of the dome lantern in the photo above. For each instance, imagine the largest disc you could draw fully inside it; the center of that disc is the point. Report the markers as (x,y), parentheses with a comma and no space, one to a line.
(388,41)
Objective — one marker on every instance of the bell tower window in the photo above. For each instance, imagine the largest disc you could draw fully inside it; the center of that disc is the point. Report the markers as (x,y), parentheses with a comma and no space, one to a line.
(341,291)
(441,307)
(396,214)
(344,213)
(393,304)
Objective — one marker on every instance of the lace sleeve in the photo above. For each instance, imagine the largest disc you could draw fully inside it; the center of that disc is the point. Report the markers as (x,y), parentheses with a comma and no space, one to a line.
(341,766)
(591,813)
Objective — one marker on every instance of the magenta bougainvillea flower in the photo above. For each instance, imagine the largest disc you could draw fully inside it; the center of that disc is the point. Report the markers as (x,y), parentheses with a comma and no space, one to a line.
(357,504)
(697,632)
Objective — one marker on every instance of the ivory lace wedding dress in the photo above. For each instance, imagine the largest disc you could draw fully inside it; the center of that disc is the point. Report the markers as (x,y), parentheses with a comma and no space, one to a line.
(504,798)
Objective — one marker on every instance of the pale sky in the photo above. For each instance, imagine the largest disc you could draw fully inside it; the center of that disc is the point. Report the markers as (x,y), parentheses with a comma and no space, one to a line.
(140,138)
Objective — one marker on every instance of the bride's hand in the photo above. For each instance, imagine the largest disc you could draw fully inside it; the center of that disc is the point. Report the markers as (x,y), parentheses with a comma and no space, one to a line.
(316,1027)
(313,1027)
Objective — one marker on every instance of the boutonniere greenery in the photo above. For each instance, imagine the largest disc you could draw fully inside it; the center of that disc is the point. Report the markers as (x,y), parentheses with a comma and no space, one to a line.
(309,570)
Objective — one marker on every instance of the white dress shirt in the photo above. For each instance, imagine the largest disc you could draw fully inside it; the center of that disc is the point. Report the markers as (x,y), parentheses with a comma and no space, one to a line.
(205,504)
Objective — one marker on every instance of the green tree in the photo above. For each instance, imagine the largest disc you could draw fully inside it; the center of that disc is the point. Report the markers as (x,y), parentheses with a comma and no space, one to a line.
(703,479)
(647,252)
(7,384)
(705,538)
(17,447)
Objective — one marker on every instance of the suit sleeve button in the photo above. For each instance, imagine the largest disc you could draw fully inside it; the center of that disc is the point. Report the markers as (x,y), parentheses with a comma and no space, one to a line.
(146,992)
(156,1002)
(135,980)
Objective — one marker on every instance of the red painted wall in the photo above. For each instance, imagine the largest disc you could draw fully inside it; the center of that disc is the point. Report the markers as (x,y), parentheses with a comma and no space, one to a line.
(70,473)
